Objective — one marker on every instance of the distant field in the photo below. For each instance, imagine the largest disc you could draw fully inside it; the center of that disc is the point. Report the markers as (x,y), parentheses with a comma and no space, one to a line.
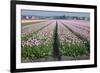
(25,22)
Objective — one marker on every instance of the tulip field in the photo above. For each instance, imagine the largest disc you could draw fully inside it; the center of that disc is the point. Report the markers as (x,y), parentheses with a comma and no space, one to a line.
(55,40)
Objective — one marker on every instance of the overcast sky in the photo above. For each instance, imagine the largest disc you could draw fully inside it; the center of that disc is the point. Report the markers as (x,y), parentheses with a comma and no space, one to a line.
(53,13)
